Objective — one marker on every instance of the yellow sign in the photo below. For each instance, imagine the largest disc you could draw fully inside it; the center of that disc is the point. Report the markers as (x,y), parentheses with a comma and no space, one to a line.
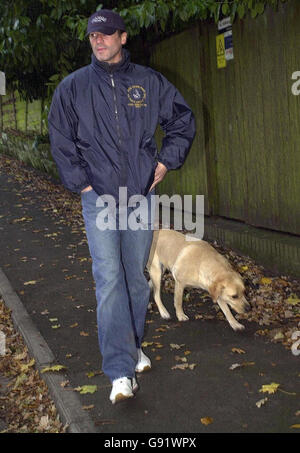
(220,45)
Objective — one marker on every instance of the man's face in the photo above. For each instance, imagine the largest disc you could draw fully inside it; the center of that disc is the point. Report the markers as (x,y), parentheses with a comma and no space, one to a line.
(108,48)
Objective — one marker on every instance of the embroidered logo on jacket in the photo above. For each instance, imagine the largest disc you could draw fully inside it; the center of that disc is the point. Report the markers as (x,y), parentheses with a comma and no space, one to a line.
(137,96)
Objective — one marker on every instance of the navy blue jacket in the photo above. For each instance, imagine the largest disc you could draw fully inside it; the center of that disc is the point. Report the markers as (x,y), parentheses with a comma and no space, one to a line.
(102,122)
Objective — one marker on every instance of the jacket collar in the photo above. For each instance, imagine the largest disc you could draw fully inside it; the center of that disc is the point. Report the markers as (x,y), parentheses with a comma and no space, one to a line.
(114,67)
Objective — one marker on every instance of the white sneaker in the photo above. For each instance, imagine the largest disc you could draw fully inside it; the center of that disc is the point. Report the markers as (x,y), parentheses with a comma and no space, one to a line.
(122,389)
(144,363)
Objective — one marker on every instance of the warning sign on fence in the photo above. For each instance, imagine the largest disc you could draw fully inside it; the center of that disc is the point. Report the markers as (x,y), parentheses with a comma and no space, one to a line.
(220,44)
(2,84)
(225,29)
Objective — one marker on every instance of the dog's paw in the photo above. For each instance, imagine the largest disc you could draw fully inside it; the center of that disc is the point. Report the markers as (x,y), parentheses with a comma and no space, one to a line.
(238,327)
(165,314)
(182,317)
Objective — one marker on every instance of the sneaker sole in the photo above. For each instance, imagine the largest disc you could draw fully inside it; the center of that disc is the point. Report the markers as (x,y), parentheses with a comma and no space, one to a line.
(146,368)
(121,397)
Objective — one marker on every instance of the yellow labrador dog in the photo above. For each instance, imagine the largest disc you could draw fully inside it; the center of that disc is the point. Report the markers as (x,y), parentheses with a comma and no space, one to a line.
(195,264)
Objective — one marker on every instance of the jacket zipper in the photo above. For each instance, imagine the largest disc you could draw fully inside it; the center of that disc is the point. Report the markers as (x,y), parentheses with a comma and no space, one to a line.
(116,108)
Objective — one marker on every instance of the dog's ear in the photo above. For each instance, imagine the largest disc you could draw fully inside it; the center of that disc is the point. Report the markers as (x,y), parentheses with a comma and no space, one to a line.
(216,290)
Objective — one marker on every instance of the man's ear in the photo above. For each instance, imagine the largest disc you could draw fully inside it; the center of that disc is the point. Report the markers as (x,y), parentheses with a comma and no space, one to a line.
(215,290)
(123,38)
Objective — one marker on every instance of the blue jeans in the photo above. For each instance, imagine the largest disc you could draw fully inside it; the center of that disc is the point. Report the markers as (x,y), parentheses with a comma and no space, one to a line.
(119,258)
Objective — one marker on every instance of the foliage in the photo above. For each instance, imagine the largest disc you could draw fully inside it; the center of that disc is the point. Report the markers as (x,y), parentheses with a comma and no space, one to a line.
(33,152)
(39,41)
(44,40)
(171,14)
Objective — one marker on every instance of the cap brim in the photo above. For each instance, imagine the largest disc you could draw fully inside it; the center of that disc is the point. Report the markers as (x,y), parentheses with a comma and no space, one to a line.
(101,29)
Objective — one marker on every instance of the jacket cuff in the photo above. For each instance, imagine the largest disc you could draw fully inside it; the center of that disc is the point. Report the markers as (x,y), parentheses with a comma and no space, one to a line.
(161,161)
(78,189)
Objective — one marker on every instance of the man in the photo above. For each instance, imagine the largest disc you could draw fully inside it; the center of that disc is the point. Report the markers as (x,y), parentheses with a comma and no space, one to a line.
(101,124)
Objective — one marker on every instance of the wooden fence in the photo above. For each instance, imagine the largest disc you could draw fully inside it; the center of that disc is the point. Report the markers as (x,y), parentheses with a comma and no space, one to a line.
(246,155)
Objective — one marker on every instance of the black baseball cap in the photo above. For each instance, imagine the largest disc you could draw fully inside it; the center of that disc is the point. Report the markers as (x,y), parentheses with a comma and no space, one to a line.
(105,21)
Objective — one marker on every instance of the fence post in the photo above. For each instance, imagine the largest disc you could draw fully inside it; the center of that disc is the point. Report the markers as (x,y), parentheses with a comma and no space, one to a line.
(42,109)
(15,110)
(2,93)
(26,115)
(1,114)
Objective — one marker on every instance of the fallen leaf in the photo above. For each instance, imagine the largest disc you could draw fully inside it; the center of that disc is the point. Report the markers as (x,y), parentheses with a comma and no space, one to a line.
(21,356)
(84,334)
(159,345)
(240,365)
(44,421)
(269,388)
(278,336)
(20,379)
(234,366)
(84,389)
(238,350)
(26,366)
(206,420)
(297,425)
(50,235)
(261,402)
(91,374)
(265,281)
(192,365)
(182,366)
(180,359)
(87,408)
(22,219)
(145,344)
(30,282)
(53,368)
(104,422)
(176,346)
(292,300)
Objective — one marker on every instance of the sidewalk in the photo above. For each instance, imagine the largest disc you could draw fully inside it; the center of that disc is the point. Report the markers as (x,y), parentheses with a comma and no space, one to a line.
(48,266)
